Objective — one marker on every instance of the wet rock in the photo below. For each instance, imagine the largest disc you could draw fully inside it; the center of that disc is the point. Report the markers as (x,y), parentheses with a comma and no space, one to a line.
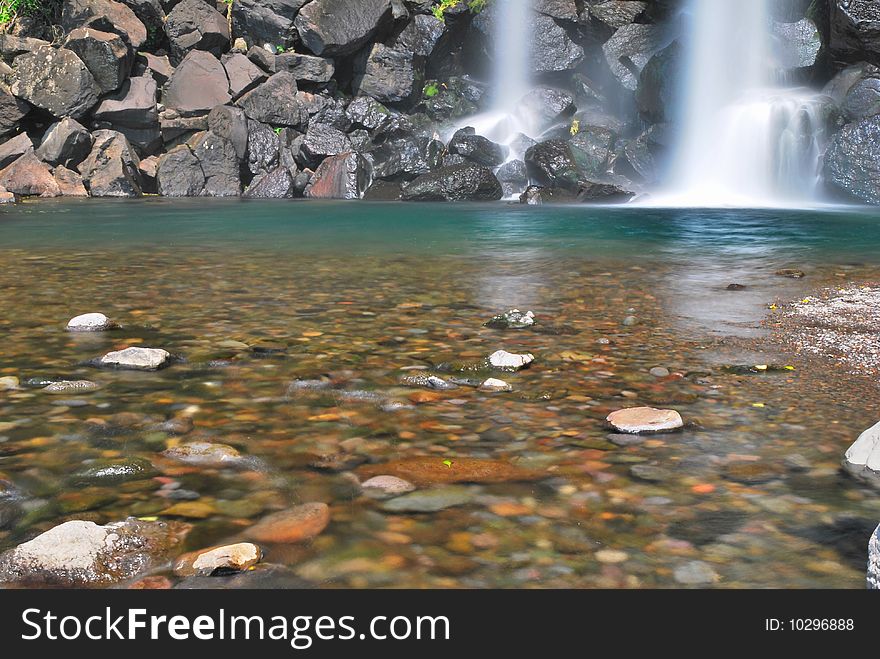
(695,573)
(791,273)
(494,384)
(405,158)
(477,148)
(465,182)
(707,526)
(735,287)
(874,561)
(106,15)
(429,501)
(339,27)
(29,176)
(514,177)
(12,111)
(113,472)
(265,22)
(659,372)
(106,56)
(275,102)
(800,43)
(195,24)
(231,124)
(345,176)
(66,143)
(367,112)
(198,84)
(851,164)
(276,184)
(616,14)
(853,31)
(387,485)
(111,169)
(321,141)
(299,524)
(427,381)
(630,49)
(55,80)
(79,553)
(507,361)
(437,470)
(512,319)
(862,459)
(306,68)
(259,577)
(640,420)
(387,74)
(650,473)
(263,148)
(205,454)
(218,560)
(863,100)
(71,387)
(420,36)
(14,148)
(752,473)
(139,359)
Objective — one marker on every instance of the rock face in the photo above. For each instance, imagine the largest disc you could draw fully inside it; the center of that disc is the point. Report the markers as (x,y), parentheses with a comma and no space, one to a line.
(106,15)
(863,457)
(276,102)
(198,84)
(855,30)
(340,27)
(105,54)
(111,169)
(66,143)
(136,359)
(630,49)
(464,182)
(851,165)
(641,420)
(28,176)
(387,74)
(265,21)
(55,80)
(81,553)
(195,24)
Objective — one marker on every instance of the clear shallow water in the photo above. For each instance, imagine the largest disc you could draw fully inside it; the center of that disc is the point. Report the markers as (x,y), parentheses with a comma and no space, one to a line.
(358,293)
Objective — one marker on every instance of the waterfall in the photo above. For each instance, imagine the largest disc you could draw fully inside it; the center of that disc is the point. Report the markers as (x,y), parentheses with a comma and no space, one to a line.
(745,140)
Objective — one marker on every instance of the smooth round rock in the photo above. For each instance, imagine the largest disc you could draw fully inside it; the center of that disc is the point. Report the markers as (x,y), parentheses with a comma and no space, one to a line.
(642,420)
(90,322)
(298,524)
(659,372)
(509,361)
(137,359)
(224,559)
(494,384)
(695,573)
(205,454)
(862,459)
(71,386)
(391,485)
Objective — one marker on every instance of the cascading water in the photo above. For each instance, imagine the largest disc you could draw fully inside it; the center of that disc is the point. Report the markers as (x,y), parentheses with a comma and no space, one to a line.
(745,140)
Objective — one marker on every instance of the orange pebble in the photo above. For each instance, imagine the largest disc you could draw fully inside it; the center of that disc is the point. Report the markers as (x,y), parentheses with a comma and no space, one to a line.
(703,488)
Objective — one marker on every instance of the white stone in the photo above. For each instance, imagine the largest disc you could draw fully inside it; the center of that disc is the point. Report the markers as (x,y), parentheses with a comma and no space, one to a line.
(636,420)
(388,485)
(71,386)
(863,457)
(233,557)
(494,384)
(145,359)
(874,561)
(69,546)
(504,359)
(90,322)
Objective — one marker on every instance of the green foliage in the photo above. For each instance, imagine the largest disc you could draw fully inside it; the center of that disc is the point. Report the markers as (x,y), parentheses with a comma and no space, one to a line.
(11,9)
(431,90)
(442,6)
(278,130)
(279,49)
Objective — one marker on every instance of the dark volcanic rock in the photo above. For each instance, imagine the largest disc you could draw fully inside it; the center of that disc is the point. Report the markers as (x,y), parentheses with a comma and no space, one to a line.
(70,183)
(265,21)
(630,49)
(321,141)
(29,176)
(105,15)
(513,176)
(277,184)
(179,173)
(855,30)
(477,148)
(263,148)
(56,80)
(387,74)
(851,166)
(617,13)
(345,176)
(158,67)
(465,182)
(219,163)
(340,27)
(863,100)
(420,36)
(306,68)
(544,107)
(194,24)
(243,74)
(367,112)
(133,106)
(231,123)
(111,169)
(14,148)
(406,158)
(152,15)
(552,163)
(105,55)
(66,143)
(12,111)
(198,84)
(275,102)
(656,93)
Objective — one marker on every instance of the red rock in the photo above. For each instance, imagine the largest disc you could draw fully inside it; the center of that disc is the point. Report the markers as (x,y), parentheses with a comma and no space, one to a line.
(28,176)
(295,525)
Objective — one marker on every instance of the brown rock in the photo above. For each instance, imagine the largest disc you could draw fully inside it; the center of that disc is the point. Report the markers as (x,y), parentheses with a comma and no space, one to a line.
(69,183)
(345,176)
(642,420)
(198,84)
(29,176)
(222,559)
(295,525)
(439,470)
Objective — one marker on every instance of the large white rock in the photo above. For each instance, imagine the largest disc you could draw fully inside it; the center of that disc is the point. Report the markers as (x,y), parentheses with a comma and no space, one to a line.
(90,322)
(874,561)
(863,457)
(494,384)
(510,361)
(141,359)
(639,420)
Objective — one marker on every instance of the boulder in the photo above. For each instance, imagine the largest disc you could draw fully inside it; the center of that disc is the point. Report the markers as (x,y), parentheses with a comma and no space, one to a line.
(630,49)
(263,148)
(105,54)
(80,553)
(344,176)
(136,359)
(196,25)
(156,66)
(11,45)
(105,15)
(420,36)
(465,182)
(617,13)
(243,74)
(179,173)
(66,142)
(265,21)
(276,184)
(230,123)
(152,15)
(855,30)
(851,164)
(514,177)
(477,148)
(262,58)
(12,111)
(593,149)
(198,84)
(387,74)
(219,163)
(644,420)
(29,176)
(133,106)
(862,459)
(55,80)
(275,102)
(111,169)
(306,68)
(553,163)
(800,43)
(340,27)
(367,112)
(544,107)
(175,128)
(406,158)
(874,560)
(658,84)
(321,141)
(14,148)
(863,100)
(70,183)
